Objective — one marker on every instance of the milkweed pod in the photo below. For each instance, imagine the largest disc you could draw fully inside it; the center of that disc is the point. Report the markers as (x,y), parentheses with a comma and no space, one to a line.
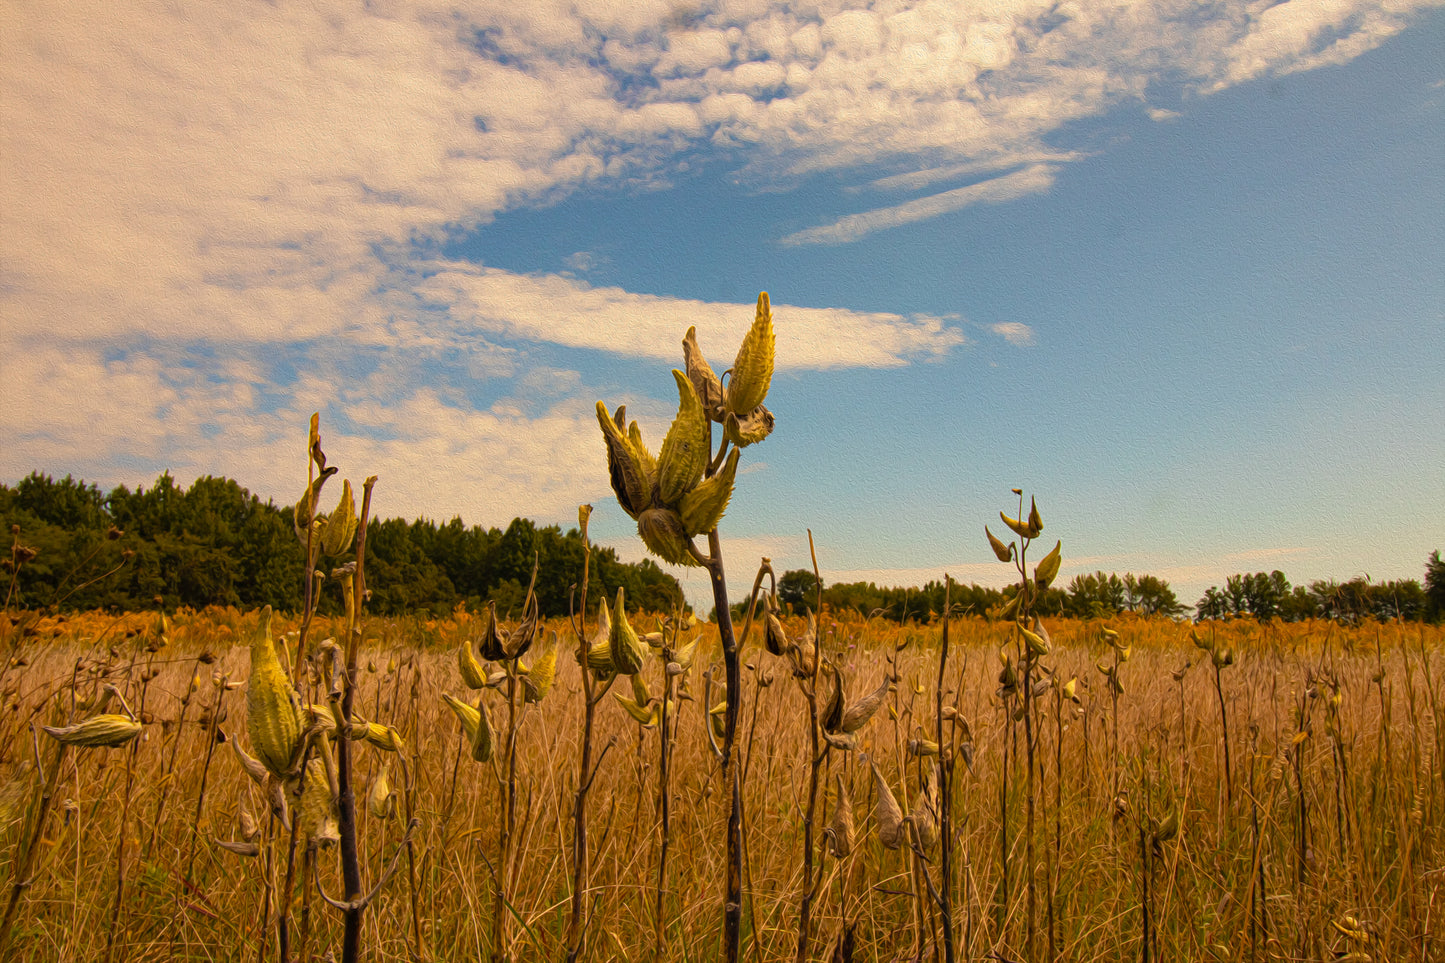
(380,737)
(1069,690)
(1223,657)
(922,747)
(683,657)
(625,465)
(627,650)
(105,730)
(491,645)
(831,719)
(639,448)
(639,689)
(538,680)
(646,715)
(684,452)
(1048,569)
(339,528)
(774,638)
(247,849)
(1004,553)
(303,513)
(1198,642)
(253,766)
(318,807)
(856,716)
(702,508)
(753,367)
(471,669)
(1168,829)
(1035,523)
(484,741)
(921,820)
(699,372)
(1021,529)
(1007,610)
(249,829)
(381,800)
(750,428)
(888,813)
(663,533)
(466,714)
(840,832)
(717,718)
(273,718)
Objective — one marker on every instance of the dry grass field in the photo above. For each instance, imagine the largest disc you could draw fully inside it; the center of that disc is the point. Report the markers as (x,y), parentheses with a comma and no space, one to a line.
(1322,839)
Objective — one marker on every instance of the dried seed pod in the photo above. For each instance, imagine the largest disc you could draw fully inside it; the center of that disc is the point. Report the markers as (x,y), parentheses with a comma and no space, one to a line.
(491,644)
(753,367)
(923,820)
(856,716)
(717,718)
(684,452)
(748,429)
(922,747)
(318,807)
(104,730)
(699,372)
(703,507)
(381,800)
(1036,524)
(840,834)
(483,740)
(273,716)
(665,536)
(775,639)
(626,466)
(889,814)
(645,714)
(253,766)
(378,736)
(247,849)
(303,513)
(627,650)
(831,718)
(249,829)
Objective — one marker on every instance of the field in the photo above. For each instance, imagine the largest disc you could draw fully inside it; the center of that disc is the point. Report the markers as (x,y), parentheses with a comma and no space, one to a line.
(1320,836)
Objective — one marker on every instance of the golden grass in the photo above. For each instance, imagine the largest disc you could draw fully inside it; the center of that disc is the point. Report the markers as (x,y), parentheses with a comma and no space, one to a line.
(1370,784)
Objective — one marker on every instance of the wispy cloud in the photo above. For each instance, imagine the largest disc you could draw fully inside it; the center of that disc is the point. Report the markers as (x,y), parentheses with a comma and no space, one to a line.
(1030,180)
(1014,332)
(565,311)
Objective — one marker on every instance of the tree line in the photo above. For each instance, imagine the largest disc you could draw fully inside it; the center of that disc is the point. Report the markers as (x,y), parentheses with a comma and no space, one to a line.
(1100,595)
(74,547)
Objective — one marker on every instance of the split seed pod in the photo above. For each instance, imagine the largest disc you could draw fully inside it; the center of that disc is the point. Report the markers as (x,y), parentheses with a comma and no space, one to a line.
(273,710)
(318,807)
(340,526)
(538,680)
(857,715)
(699,372)
(381,800)
(626,465)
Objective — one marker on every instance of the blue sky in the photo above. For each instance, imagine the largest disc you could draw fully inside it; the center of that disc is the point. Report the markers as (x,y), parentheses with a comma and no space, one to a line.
(1174,267)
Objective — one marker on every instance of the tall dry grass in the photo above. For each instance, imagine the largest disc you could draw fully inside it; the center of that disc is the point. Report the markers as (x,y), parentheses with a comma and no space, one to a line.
(1336,816)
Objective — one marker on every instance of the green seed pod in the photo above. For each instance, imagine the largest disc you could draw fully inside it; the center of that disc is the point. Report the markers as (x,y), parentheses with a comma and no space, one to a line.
(684,452)
(273,710)
(1004,553)
(1048,569)
(702,508)
(466,714)
(646,715)
(303,513)
(627,649)
(753,368)
(699,372)
(748,429)
(1036,524)
(538,680)
(628,470)
(1037,645)
(484,740)
(339,528)
(105,730)
(471,669)
(663,533)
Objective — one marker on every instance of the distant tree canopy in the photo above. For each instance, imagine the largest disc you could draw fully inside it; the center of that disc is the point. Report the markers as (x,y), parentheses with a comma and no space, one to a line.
(217,544)
(1270,596)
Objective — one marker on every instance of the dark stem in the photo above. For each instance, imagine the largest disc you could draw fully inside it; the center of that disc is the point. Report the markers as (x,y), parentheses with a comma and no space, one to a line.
(733,884)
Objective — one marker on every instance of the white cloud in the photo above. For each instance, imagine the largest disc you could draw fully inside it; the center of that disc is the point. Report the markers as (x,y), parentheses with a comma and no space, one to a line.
(1014,332)
(1030,180)
(565,311)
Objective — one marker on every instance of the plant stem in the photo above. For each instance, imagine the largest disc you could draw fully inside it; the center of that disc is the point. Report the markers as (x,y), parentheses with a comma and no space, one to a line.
(733,882)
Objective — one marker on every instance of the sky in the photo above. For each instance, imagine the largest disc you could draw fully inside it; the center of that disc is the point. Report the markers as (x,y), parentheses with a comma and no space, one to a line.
(1175,268)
